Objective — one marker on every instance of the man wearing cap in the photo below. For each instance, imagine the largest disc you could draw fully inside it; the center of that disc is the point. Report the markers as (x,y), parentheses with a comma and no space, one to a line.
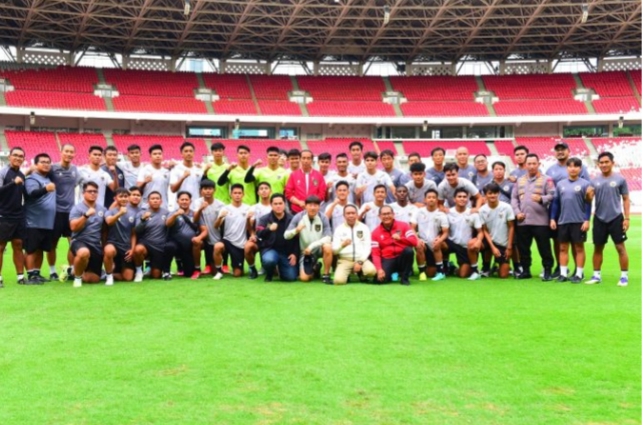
(530,200)
(314,234)
(352,246)
(392,247)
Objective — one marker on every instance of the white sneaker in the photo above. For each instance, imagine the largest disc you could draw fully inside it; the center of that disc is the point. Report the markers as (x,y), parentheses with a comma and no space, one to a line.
(63,273)
(474,276)
(593,281)
(109,280)
(623,281)
(218,276)
(78,282)
(138,277)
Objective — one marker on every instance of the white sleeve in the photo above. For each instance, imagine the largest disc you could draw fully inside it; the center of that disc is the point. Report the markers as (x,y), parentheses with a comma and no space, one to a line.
(108,177)
(174,175)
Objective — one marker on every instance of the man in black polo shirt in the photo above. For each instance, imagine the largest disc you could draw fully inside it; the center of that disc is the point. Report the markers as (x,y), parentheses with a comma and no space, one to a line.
(276,251)
(12,212)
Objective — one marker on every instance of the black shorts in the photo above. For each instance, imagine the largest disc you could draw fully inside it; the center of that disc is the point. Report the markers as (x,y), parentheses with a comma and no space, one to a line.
(95,264)
(61,226)
(503,251)
(614,229)
(236,255)
(155,256)
(571,233)
(11,230)
(119,261)
(460,252)
(428,255)
(37,240)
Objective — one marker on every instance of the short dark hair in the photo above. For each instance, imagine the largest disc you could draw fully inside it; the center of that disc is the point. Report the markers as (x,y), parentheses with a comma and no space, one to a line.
(183,192)
(206,183)
(418,167)
(521,148)
(303,151)
(325,156)
(387,152)
(264,184)
(64,145)
(431,191)
(93,148)
(41,155)
(438,149)
(134,147)
(576,162)
(383,207)
(371,155)
(502,164)
(341,155)
(492,188)
(294,152)
(350,206)
(277,195)
(532,155)
(155,192)
(135,189)
(356,143)
(460,190)
(480,154)
(237,186)
(244,147)
(217,146)
(412,154)
(110,149)
(153,148)
(379,186)
(273,149)
(121,191)
(89,183)
(342,183)
(312,199)
(185,145)
(451,166)
(606,154)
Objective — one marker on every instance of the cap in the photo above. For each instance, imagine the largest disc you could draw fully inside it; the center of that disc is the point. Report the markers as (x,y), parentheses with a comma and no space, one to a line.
(561,145)
(309,265)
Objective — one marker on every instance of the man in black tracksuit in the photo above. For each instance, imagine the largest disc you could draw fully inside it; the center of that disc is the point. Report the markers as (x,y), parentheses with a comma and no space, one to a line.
(12,211)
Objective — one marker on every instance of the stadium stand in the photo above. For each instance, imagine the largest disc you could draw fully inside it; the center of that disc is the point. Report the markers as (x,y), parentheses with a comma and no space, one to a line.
(152,83)
(616,105)
(60,79)
(279,107)
(343,88)
(234,107)
(338,145)
(275,87)
(444,109)
(608,143)
(82,142)
(633,177)
(228,86)
(505,147)
(608,84)
(518,87)
(171,144)
(257,147)
(438,88)
(55,100)
(386,145)
(544,146)
(424,148)
(33,143)
(636,77)
(540,107)
(350,109)
(167,105)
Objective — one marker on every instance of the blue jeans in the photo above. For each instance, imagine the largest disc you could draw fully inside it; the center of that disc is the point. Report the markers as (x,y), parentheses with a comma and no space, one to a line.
(271,259)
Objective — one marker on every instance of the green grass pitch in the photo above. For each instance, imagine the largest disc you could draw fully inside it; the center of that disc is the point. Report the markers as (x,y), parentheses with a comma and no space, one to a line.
(237,351)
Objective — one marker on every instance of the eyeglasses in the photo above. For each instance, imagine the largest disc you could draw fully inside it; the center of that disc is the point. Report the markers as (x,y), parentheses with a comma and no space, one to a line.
(91,191)
(16,155)
(44,162)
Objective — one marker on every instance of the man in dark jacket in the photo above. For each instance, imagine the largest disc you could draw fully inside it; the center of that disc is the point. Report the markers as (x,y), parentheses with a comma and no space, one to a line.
(276,251)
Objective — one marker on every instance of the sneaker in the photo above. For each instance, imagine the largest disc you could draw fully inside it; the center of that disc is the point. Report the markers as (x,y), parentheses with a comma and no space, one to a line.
(576,279)
(622,282)
(326,279)
(556,273)
(253,273)
(405,281)
(546,276)
(78,282)
(225,269)
(593,281)
(422,277)
(485,273)
(524,275)
(562,278)
(439,276)
(138,277)
(109,280)
(53,276)
(180,273)
(64,274)
(147,271)
(261,272)
(207,270)
(40,278)
(167,276)
(474,276)
(395,277)
(195,275)
(218,276)
(22,281)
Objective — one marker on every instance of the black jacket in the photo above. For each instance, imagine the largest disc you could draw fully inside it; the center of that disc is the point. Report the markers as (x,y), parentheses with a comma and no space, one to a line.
(275,240)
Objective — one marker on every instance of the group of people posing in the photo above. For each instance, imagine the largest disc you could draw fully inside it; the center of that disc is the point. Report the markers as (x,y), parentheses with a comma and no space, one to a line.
(365,220)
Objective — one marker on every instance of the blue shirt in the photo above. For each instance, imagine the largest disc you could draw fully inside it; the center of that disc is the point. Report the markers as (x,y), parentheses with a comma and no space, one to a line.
(66,180)
(91,233)
(570,201)
(559,172)
(120,233)
(40,205)
(609,192)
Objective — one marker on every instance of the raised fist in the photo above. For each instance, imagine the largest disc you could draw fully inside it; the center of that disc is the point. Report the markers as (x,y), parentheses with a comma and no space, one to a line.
(146,215)
(122,210)
(50,187)
(90,212)
(18,180)
(273,227)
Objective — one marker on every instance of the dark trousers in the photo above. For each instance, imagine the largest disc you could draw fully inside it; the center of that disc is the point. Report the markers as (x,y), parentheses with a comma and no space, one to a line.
(183,253)
(402,264)
(526,235)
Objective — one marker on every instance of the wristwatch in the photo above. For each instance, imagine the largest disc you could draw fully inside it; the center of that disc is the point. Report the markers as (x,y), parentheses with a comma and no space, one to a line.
(85,215)
(360,263)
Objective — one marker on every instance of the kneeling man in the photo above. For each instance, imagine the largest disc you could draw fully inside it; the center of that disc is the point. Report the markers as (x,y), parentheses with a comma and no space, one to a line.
(352,245)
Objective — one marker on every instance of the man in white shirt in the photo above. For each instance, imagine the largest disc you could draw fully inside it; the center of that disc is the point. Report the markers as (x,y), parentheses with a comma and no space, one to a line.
(352,246)
(341,164)
(498,226)
(432,228)
(206,211)
(356,165)
(419,184)
(94,173)
(465,235)
(335,210)
(132,166)
(403,209)
(370,178)
(450,184)
(154,177)
(370,211)
(255,213)
(234,233)
(186,176)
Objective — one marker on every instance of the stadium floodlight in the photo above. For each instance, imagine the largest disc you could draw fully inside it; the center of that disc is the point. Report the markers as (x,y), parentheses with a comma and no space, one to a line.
(425,126)
(585,9)
(186,10)
(387,14)
(32,118)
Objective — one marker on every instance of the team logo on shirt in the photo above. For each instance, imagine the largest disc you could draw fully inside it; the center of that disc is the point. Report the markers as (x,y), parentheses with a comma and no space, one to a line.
(360,234)
(318,227)
(501,214)
(506,188)
(100,213)
(131,219)
(315,182)
(612,184)
(163,217)
(577,188)
(120,177)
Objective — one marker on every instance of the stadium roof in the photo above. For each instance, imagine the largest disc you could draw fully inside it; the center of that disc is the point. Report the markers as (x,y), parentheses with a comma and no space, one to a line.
(346,30)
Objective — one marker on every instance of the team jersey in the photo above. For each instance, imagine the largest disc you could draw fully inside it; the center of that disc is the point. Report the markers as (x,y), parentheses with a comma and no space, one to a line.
(120,233)
(277,179)
(259,210)
(461,226)
(482,181)
(336,178)
(446,192)
(372,180)
(160,182)
(130,173)
(518,172)
(404,213)
(496,219)
(208,216)
(91,233)
(506,187)
(356,169)
(222,192)
(11,194)
(571,200)
(100,177)
(191,183)
(372,216)
(467,172)
(337,219)
(66,180)
(234,225)
(238,176)
(608,195)
(558,173)
(153,231)
(109,193)
(416,194)
(435,175)
(184,228)
(430,224)
(40,205)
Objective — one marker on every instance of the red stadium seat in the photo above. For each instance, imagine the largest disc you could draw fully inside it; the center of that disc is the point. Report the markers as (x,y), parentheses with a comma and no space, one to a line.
(228,86)
(438,88)
(82,143)
(338,145)
(608,84)
(55,100)
(33,143)
(350,109)
(444,109)
(168,105)
(272,87)
(540,107)
(279,107)
(553,86)
(152,83)
(60,79)
(343,88)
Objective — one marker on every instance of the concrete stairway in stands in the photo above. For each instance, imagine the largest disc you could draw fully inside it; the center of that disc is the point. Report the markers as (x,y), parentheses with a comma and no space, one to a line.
(208,104)
(389,87)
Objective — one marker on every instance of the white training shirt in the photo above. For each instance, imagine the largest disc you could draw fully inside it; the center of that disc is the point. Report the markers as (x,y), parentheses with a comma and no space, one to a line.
(234,224)
(100,177)
(372,217)
(430,224)
(461,226)
(160,182)
(496,219)
(192,183)
(404,213)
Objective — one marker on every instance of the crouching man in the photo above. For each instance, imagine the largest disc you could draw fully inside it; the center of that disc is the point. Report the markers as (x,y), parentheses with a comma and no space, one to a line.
(352,246)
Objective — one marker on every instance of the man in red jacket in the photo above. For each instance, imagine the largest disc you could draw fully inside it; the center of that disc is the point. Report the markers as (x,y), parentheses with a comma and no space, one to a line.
(393,242)
(304,182)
